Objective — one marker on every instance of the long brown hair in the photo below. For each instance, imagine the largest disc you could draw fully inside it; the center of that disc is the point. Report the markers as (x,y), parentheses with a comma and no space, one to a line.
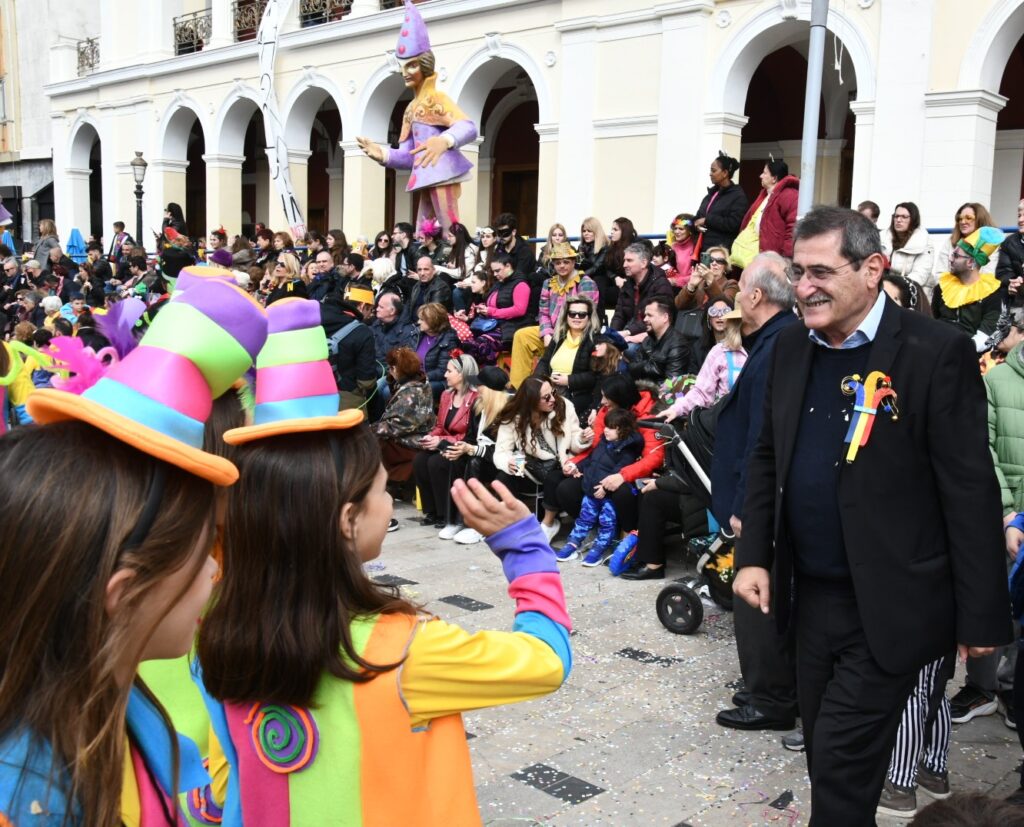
(292,584)
(523,410)
(982,218)
(62,657)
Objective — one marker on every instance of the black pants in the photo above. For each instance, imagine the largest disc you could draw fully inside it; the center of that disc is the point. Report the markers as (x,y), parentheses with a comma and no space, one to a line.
(1018,697)
(767,661)
(656,510)
(851,707)
(434,477)
(569,497)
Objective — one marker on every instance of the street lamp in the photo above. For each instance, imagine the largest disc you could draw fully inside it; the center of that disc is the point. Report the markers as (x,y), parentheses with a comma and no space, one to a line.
(138,166)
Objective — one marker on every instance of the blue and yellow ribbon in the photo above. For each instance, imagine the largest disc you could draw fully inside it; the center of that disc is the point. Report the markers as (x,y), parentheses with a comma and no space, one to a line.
(871,394)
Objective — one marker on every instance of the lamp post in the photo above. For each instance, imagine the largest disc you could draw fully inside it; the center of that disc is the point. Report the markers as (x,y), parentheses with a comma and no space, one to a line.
(138,166)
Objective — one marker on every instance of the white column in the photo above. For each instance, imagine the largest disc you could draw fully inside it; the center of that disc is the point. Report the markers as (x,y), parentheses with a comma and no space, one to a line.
(364,192)
(1007,172)
(336,196)
(484,185)
(959,147)
(468,199)
(863,142)
(905,50)
(574,181)
(298,167)
(404,201)
(722,131)
(679,135)
(830,156)
(166,178)
(224,191)
(28,218)
(157,27)
(547,177)
(79,214)
(221,24)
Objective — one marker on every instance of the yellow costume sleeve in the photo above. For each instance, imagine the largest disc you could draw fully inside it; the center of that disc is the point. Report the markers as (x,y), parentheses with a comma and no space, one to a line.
(450,670)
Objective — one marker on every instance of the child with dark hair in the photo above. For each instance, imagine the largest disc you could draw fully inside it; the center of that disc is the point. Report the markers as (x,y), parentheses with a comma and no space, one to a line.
(620,446)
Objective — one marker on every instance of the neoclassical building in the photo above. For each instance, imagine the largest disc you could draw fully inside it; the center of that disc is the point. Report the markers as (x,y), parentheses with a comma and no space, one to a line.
(603,107)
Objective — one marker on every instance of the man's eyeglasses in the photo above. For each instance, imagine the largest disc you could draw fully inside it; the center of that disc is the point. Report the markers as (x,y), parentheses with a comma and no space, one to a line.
(818,273)
(577,314)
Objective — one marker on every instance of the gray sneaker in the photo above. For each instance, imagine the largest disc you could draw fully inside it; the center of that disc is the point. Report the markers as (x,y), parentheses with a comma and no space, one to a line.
(897,802)
(794,741)
(932,783)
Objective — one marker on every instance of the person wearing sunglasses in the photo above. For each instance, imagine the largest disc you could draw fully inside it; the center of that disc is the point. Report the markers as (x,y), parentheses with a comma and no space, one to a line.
(567,357)
(519,252)
(565,284)
(908,247)
(710,279)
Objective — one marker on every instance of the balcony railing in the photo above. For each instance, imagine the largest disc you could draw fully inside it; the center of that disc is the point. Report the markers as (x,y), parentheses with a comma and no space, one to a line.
(246,15)
(396,4)
(192,32)
(88,55)
(315,12)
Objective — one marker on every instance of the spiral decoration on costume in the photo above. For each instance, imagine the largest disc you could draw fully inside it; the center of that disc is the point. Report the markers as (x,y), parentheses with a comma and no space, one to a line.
(286,738)
(201,806)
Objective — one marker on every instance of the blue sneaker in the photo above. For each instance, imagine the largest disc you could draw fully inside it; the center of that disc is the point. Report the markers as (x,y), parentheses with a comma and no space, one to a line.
(595,557)
(623,555)
(566,553)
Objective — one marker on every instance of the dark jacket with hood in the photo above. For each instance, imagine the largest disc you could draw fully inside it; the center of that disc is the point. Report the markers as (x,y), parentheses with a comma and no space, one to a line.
(609,458)
(354,363)
(661,359)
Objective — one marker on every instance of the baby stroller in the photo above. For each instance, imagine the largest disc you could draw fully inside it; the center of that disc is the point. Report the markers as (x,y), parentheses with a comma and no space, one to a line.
(679,604)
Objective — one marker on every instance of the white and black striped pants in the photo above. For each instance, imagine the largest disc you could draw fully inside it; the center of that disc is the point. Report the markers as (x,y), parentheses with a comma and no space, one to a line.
(923,737)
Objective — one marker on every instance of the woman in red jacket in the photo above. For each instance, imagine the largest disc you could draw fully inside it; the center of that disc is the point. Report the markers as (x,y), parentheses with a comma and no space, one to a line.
(771,218)
(433,468)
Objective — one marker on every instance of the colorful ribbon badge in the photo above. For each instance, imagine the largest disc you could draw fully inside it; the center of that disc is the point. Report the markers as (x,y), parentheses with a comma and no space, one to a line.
(873,393)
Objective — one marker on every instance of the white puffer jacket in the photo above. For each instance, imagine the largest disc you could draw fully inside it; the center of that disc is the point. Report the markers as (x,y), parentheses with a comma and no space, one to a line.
(914,259)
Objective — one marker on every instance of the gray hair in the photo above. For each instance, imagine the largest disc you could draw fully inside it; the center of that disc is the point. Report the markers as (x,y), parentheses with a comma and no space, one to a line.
(14,261)
(33,264)
(859,237)
(639,250)
(772,275)
(51,304)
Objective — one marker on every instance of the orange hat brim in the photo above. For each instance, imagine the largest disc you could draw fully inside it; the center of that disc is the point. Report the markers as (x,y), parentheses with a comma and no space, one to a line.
(48,405)
(250,433)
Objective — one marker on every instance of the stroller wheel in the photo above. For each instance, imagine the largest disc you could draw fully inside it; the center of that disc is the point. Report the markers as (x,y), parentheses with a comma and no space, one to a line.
(679,609)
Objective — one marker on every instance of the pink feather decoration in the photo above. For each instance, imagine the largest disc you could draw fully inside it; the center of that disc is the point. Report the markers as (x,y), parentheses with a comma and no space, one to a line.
(430,227)
(118,324)
(83,366)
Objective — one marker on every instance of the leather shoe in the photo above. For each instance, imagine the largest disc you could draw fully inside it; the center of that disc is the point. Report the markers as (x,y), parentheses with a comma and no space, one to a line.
(748,717)
(429,519)
(742,698)
(644,573)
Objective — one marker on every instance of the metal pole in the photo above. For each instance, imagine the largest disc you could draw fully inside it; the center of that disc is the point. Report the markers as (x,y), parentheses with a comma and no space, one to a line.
(812,105)
(138,215)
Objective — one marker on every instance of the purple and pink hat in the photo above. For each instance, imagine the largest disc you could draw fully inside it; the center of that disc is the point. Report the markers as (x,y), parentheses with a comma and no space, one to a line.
(413,39)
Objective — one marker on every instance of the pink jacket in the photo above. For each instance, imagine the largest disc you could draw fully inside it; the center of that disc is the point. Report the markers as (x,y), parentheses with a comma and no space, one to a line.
(714,381)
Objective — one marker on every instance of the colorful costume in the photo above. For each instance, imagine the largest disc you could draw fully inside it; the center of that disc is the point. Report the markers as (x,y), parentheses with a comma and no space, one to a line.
(391,751)
(431,114)
(974,308)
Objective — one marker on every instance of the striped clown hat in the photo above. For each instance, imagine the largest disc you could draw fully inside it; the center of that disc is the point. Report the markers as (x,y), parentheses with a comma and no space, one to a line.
(295,386)
(158,398)
(200,274)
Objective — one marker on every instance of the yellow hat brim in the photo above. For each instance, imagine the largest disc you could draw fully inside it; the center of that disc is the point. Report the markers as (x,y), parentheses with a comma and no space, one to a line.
(249,433)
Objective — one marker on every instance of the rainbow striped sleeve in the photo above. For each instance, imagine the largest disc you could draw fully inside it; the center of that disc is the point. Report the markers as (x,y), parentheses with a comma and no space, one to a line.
(449,670)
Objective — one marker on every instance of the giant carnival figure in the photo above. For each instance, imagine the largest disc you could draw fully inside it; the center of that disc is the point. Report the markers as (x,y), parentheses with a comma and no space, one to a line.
(433,129)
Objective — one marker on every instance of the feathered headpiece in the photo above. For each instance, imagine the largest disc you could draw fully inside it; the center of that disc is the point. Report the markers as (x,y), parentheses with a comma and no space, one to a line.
(430,227)
(118,325)
(78,367)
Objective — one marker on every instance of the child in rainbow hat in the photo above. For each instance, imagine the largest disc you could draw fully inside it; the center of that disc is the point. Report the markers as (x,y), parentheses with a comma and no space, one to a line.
(119,575)
(314,721)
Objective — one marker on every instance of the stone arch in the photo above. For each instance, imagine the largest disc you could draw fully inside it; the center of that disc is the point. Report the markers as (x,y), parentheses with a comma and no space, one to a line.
(991,45)
(303,102)
(175,126)
(767,32)
(477,76)
(84,133)
(233,119)
(376,103)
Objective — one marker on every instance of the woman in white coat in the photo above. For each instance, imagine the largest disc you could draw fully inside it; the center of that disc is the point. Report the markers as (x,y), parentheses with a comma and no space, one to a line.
(909,248)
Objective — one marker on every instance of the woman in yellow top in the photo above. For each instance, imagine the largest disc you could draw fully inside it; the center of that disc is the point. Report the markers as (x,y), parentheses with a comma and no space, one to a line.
(567,357)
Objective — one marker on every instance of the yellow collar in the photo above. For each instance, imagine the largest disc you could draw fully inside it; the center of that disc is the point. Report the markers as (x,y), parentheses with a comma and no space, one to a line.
(556,286)
(957,294)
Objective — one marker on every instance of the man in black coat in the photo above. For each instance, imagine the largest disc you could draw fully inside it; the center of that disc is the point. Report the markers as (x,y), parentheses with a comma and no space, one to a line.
(664,354)
(524,262)
(351,350)
(887,550)
(644,281)
(1010,269)
(765,306)
(430,288)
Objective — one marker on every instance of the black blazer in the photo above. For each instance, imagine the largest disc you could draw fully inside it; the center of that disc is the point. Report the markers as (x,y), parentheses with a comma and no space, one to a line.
(920,505)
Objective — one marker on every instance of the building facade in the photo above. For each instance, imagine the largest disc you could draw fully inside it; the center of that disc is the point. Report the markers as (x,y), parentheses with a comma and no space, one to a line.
(584,107)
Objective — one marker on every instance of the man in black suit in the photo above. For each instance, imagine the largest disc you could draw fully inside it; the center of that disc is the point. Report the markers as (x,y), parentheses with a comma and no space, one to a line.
(884,557)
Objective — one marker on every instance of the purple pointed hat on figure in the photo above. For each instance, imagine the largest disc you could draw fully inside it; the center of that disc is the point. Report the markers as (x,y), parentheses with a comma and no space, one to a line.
(413,39)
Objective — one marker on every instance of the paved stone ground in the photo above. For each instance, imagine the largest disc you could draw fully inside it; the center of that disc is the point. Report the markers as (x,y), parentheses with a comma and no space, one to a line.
(631,739)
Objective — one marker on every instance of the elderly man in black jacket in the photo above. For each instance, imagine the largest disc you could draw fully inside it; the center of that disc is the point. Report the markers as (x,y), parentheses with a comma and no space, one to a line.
(430,288)
(765,307)
(664,354)
(645,281)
